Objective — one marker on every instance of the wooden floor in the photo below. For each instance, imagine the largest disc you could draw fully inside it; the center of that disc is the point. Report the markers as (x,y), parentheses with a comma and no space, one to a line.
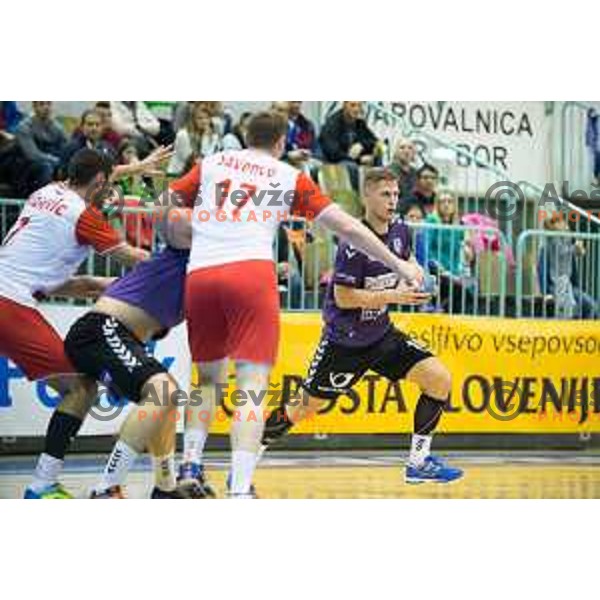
(360,476)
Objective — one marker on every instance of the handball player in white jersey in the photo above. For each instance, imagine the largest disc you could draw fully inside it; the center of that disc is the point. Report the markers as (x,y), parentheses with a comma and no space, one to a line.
(239,198)
(56,231)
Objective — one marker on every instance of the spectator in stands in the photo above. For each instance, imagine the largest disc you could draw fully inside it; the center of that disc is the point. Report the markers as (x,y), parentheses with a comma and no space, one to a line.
(449,255)
(222,121)
(181,114)
(88,135)
(281,108)
(236,140)
(109,135)
(9,152)
(9,116)
(301,141)
(448,248)
(347,139)
(592,141)
(413,213)
(42,140)
(133,185)
(424,192)
(559,274)
(402,166)
(196,140)
(291,243)
(136,121)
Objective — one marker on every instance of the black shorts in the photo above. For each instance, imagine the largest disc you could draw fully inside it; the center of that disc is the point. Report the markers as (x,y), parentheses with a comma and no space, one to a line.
(102,348)
(335,369)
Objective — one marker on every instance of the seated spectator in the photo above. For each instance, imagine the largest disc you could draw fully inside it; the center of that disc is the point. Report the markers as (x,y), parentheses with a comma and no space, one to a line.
(136,189)
(302,134)
(558,273)
(181,113)
(9,116)
(131,185)
(447,254)
(133,119)
(194,141)
(346,138)
(9,152)
(402,166)
(42,141)
(222,121)
(236,140)
(485,236)
(448,247)
(281,108)
(592,141)
(301,141)
(109,135)
(88,135)
(163,112)
(291,243)
(414,213)
(424,190)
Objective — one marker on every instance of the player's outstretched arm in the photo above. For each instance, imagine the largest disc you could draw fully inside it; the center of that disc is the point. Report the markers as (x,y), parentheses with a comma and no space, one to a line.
(351,230)
(149,167)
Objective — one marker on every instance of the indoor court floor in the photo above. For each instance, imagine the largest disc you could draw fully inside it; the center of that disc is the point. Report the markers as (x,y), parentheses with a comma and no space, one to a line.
(357,475)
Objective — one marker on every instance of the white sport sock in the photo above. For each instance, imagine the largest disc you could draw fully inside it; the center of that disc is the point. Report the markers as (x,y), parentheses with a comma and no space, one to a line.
(243,464)
(193,445)
(117,468)
(419,449)
(46,473)
(164,472)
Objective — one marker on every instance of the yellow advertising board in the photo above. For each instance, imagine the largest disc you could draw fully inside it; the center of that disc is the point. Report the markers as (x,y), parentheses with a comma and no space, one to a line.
(509,376)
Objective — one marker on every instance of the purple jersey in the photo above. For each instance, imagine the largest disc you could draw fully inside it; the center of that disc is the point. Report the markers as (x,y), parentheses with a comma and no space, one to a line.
(362,327)
(156,286)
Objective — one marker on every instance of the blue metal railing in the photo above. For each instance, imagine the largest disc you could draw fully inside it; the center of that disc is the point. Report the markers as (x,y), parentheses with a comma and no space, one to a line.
(576,266)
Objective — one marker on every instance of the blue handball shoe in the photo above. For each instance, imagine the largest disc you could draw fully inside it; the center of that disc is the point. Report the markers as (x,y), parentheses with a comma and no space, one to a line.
(434,469)
(53,492)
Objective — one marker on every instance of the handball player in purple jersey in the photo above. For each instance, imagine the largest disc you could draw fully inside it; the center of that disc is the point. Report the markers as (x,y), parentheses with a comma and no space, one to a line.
(359,336)
(108,345)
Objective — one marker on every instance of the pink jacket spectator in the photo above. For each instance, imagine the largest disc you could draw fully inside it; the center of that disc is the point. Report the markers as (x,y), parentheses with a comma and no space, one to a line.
(482,239)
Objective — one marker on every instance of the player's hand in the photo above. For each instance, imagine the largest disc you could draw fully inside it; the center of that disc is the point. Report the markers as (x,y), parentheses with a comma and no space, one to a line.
(579,248)
(413,273)
(406,294)
(355,151)
(151,164)
(367,161)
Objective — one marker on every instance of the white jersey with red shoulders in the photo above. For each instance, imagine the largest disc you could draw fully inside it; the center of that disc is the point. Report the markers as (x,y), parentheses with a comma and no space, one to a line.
(53,235)
(240,198)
